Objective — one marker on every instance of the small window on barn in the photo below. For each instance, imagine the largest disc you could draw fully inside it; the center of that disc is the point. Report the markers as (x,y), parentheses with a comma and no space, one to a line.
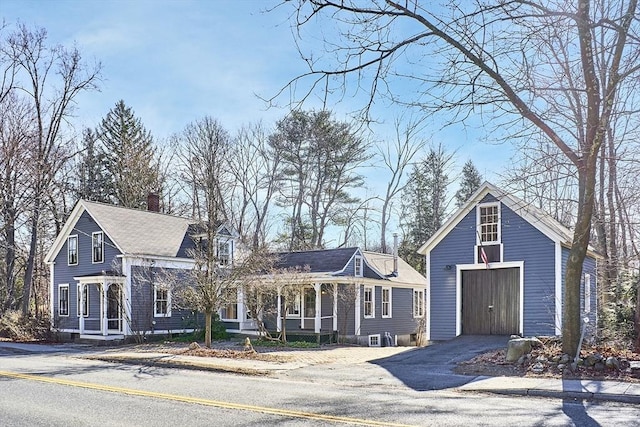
(587,293)
(72,250)
(489,223)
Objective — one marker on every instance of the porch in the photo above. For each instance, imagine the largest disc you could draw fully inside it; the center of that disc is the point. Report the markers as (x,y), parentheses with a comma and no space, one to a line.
(108,322)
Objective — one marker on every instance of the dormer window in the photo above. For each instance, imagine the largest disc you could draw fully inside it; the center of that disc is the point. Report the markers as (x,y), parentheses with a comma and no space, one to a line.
(224,252)
(357,266)
(72,250)
(97,247)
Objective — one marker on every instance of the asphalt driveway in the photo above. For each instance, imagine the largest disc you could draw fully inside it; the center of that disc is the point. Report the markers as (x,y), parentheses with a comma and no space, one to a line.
(431,368)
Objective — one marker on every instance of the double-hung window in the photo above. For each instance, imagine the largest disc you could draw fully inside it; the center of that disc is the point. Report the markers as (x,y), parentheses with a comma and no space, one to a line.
(72,250)
(488,248)
(230,304)
(97,247)
(358,267)
(162,302)
(369,302)
(224,253)
(386,302)
(418,303)
(83,300)
(63,300)
(293,304)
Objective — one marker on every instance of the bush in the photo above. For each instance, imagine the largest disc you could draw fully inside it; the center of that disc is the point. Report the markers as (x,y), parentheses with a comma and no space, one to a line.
(17,328)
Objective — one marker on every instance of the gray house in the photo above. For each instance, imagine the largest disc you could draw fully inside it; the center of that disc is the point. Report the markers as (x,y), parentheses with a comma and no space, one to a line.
(106,267)
(497,266)
(368,297)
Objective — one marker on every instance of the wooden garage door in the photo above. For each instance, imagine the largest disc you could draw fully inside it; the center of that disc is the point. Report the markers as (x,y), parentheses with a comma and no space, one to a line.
(491,301)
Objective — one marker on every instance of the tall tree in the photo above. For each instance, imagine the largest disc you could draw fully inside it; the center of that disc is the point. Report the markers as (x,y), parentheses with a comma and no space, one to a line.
(49,78)
(470,182)
(474,62)
(424,203)
(131,162)
(320,157)
(93,182)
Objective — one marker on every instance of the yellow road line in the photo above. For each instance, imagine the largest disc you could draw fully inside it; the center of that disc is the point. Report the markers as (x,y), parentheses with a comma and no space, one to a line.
(200,401)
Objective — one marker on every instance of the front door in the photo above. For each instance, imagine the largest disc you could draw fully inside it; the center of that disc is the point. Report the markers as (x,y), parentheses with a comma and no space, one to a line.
(114,308)
(491,301)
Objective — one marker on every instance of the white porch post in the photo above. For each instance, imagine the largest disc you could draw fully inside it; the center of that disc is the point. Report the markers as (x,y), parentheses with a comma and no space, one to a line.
(104,324)
(279,315)
(242,318)
(318,321)
(80,309)
(335,306)
(357,310)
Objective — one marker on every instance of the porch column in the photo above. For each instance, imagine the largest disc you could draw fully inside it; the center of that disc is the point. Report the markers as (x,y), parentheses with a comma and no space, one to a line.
(318,321)
(335,306)
(79,310)
(279,315)
(104,324)
(241,311)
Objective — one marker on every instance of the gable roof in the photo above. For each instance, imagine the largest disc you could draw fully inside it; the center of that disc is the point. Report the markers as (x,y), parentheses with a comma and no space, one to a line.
(383,263)
(318,261)
(539,219)
(132,231)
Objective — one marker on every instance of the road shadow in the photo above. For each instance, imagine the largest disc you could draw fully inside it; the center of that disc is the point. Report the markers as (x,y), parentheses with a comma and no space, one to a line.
(573,406)
(431,367)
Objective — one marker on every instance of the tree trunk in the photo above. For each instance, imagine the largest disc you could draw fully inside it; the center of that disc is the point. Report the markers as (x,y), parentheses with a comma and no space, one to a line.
(207,328)
(33,245)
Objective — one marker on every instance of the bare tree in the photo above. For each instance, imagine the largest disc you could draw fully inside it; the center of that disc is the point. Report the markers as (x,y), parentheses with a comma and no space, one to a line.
(529,66)
(49,78)
(396,158)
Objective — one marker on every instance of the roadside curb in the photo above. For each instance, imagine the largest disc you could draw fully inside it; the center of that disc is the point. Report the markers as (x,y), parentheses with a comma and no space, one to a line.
(620,398)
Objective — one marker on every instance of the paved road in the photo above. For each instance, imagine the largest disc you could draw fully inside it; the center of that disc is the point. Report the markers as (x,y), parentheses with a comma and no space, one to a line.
(60,389)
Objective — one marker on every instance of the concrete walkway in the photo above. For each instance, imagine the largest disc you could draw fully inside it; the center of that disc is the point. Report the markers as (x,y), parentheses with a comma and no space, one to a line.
(351,359)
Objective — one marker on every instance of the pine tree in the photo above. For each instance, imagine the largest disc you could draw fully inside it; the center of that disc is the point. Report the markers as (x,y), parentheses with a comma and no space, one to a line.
(130,157)
(93,183)
(424,204)
(471,181)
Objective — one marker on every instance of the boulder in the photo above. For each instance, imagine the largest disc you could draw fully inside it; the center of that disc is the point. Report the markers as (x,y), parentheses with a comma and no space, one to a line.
(517,348)
(612,363)
(194,346)
(564,359)
(634,367)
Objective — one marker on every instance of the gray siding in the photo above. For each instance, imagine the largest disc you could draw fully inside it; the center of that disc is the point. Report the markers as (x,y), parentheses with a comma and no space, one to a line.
(64,273)
(401,321)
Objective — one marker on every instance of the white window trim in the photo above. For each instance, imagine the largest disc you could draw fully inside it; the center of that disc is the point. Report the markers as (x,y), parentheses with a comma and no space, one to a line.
(229,244)
(297,302)
(222,310)
(587,293)
(65,286)
(374,340)
(373,302)
(74,236)
(479,228)
(358,272)
(86,301)
(416,314)
(155,301)
(93,261)
(390,302)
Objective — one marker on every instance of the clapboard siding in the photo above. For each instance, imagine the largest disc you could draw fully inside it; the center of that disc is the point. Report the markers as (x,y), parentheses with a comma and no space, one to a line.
(64,273)
(523,242)
(401,321)
(456,248)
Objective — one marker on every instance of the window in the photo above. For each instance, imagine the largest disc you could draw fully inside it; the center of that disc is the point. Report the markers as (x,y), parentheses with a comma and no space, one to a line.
(293,307)
(418,303)
(230,307)
(489,223)
(224,252)
(369,302)
(63,300)
(386,302)
(587,293)
(161,302)
(72,250)
(374,340)
(85,301)
(357,266)
(97,246)
(309,302)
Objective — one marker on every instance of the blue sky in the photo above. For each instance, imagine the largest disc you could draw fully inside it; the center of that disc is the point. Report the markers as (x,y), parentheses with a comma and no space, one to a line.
(176,61)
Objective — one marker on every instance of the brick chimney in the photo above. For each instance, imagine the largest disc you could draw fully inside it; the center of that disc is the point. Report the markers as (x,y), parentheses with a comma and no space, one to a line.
(153,202)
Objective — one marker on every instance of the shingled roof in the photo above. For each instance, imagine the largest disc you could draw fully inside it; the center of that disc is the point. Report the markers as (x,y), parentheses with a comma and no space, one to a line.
(318,261)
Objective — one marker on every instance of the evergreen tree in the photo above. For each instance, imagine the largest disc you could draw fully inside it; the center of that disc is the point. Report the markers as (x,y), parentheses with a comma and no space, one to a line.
(471,181)
(130,157)
(93,182)
(424,204)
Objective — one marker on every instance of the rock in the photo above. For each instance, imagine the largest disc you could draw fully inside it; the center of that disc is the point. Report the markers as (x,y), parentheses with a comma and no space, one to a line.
(538,368)
(516,348)
(592,359)
(634,367)
(541,359)
(514,337)
(612,363)
(561,367)
(535,342)
(194,346)
(599,366)
(521,360)
(564,359)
